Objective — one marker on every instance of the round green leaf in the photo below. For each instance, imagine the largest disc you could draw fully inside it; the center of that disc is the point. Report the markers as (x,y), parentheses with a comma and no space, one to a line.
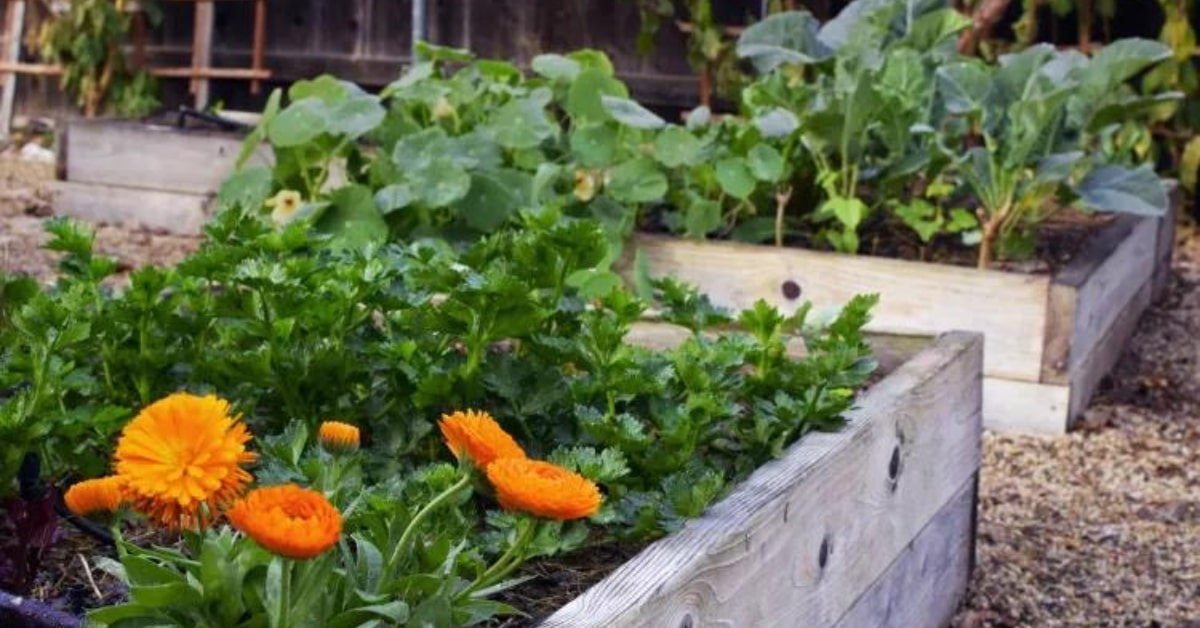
(676,147)
(637,181)
(734,177)
(765,163)
(302,122)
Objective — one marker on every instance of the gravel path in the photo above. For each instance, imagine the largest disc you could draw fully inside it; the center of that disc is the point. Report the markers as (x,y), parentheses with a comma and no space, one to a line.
(1099,527)
(1102,526)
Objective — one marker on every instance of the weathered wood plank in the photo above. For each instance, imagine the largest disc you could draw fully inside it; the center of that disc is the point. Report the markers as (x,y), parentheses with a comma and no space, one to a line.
(1092,367)
(915,298)
(151,157)
(1103,296)
(801,540)
(1166,242)
(1025,407)
(925,584)
(175,212)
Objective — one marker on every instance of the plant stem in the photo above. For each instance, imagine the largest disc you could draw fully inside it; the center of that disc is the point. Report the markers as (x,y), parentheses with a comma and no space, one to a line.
(511,559)
(422,514)
(781,200)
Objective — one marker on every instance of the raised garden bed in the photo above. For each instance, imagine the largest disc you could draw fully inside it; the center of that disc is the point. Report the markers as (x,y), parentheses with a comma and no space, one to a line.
(154,175)
(1050,338)
(869,526)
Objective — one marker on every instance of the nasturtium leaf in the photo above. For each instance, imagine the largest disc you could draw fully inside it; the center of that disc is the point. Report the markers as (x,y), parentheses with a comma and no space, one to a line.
(493,197)
(788,37)
(477,149)
(675,147)
(591,59)
(328,89)
(392,197)
(352,218)
(300,123)
(631,114)
(498,71)
(698,117)
(583,98)
(594,144)
(417,73)
(701,217)
(556,67)
(522,123)
(637,181)
(734,177)
(433,52)
(778,122)
(766,164)
(1125,190)
(247,188)
(440,183)
(416,151)
(356,116)
(259,134)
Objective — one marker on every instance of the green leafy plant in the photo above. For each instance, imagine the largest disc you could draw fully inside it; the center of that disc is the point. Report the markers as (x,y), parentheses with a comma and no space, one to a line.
(1038,115)
(87,41)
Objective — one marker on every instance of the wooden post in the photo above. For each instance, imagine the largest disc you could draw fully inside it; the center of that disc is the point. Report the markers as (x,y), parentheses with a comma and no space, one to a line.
(260,36)
(202,51)
(14,26)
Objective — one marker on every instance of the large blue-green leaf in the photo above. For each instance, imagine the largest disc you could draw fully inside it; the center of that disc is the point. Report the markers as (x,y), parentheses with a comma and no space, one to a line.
(356,116)
(777,122)
(584,95)
(963,87)
(352,218)
(631,114)
(493,196)
(440,183)
(523,123)
(556,67)
(783,38)
(734,177)
(594,144)
(247,188)
(676,147)
(637,181)
(301,122)
(1125,190)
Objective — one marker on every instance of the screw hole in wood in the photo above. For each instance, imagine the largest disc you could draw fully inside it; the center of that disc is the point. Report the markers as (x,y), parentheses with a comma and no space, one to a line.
(791,289)
(894,464)
(823,553)
(687,622)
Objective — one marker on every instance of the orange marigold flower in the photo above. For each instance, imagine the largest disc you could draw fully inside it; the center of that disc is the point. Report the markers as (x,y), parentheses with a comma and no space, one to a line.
(288,520)
(181,459)
(338,437)
(477,436)
(99,495)
(543,489)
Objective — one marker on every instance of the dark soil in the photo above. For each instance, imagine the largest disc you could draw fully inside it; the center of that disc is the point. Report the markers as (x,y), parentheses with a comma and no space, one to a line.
(556,581)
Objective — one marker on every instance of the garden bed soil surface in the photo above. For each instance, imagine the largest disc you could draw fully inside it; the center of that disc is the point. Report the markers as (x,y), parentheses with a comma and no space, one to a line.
(1101,526)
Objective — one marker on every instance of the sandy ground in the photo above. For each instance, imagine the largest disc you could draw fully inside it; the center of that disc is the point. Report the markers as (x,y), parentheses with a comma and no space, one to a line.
(1098,527)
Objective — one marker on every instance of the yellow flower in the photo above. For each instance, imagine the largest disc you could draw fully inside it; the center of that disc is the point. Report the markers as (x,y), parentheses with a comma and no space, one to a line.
(99,495)
(477,436)
(288,520)
(181,459)
(442,109)
(338,437)
(543,489)
(585,185)
(284,206)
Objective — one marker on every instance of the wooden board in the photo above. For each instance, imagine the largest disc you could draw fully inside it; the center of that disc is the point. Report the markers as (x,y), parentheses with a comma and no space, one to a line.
(1095,365)
(1166,242)
(804,538)
(154,209)
(1025,407)
(915,298)
(926,583)
(152,157)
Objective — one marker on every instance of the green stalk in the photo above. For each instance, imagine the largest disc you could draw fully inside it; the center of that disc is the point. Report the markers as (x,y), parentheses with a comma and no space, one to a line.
(434,504)
(510,560)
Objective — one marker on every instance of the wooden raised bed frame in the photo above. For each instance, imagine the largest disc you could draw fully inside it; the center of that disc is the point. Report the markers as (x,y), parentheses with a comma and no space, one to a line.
(1050,340)
(872,525)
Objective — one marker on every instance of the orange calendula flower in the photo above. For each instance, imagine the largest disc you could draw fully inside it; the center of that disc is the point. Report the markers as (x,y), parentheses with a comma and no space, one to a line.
(543,489)
(338,437)
(99,495)
(288,520)
(181,459)
(479,437)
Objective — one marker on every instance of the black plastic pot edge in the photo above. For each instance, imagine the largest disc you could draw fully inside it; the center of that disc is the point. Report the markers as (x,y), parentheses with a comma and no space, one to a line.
(21,612)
